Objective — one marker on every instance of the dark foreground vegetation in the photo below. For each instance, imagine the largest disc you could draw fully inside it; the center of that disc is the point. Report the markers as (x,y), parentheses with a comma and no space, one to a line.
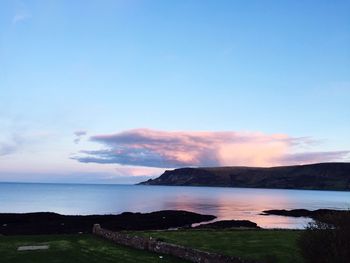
(327,240)
(52,223)
(322,176)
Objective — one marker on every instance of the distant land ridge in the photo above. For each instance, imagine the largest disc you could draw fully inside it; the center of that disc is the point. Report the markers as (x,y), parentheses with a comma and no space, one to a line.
(320,176)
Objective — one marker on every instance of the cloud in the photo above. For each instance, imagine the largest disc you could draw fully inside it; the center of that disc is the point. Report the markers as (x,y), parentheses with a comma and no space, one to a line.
(138,171)
(20,17)
(79,135)
(21,13)
(165,149)
(7,148)
(11,145)
(73,177)
(315,157)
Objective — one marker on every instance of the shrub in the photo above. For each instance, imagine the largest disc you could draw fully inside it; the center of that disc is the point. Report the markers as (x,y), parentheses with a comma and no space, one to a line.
(327,239)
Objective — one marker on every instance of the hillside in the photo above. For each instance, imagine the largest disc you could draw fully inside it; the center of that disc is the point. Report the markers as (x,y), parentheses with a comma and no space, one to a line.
(323,176)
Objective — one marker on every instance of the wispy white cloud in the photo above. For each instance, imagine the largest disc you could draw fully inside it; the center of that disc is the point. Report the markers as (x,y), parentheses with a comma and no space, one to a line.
(79,135)
(10,145)
(22,14)
(151,148)
(315,157)
(20,17)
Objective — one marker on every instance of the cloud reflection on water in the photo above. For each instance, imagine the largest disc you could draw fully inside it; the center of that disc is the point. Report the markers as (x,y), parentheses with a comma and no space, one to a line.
(245,204)
(225,203)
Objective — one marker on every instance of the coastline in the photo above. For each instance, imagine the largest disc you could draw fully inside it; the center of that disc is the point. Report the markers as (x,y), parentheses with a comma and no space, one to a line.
(53,223)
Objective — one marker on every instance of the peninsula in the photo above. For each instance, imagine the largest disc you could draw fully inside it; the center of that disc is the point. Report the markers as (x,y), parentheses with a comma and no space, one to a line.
(320,176)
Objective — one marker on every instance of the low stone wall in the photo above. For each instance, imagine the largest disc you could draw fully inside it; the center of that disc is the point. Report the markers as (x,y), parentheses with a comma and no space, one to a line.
(190,254)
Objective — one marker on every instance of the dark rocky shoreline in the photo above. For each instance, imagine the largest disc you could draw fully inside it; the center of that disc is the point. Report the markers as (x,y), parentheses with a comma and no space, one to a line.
(52,223)
(323,215)
(303,212)
(224,224)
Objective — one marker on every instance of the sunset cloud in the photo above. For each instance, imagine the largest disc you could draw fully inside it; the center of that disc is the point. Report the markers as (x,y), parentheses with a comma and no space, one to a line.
(164,149)
(315,157)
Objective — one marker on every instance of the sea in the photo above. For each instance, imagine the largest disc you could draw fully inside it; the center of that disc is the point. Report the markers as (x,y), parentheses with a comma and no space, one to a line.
(224,203)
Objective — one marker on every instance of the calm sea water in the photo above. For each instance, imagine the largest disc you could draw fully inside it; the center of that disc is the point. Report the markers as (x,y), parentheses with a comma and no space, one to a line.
(225,203)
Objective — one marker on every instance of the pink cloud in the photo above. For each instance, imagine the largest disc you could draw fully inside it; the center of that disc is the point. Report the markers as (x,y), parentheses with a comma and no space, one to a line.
(138,171)
(170,149)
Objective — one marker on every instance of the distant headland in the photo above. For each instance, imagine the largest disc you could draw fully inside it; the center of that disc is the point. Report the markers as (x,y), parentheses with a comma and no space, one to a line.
(320,176)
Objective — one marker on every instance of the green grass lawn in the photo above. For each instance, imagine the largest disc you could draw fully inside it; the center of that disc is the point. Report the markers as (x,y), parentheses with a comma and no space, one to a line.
(266,245)
(73,248)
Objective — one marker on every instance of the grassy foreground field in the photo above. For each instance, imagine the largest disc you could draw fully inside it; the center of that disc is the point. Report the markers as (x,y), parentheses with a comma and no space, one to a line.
(73,249)
(266,245)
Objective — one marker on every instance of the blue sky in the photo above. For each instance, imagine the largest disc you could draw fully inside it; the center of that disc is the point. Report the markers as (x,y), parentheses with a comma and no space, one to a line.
(175,69)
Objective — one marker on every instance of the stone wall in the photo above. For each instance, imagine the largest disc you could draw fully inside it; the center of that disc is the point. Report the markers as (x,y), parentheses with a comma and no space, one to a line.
(190,254)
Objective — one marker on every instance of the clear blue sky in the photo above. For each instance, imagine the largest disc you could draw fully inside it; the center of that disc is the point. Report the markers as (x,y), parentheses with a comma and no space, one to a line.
(105,67)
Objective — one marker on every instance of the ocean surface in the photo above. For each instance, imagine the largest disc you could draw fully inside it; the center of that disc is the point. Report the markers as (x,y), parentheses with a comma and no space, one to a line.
(225,203)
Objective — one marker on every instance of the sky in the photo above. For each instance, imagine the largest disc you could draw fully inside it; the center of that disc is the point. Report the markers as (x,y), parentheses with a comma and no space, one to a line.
(102,91)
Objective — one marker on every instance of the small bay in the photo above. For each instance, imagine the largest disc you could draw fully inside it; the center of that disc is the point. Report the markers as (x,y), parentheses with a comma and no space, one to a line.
(225,203)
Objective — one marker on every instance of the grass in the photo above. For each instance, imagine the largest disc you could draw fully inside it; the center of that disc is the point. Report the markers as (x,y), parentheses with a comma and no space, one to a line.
(73,248)
(265,245)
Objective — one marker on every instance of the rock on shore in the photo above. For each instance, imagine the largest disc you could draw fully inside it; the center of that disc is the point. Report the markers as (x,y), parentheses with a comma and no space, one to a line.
(224,224)
(52,223)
